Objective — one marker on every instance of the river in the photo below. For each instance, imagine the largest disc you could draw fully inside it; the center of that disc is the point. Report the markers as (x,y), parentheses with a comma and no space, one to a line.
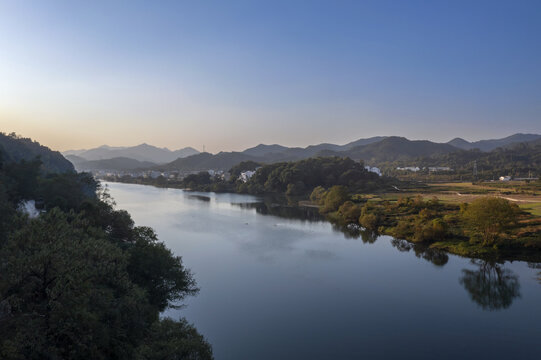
(281,283)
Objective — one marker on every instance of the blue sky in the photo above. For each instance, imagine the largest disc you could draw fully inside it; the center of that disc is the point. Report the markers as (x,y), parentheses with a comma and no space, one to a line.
(232,74)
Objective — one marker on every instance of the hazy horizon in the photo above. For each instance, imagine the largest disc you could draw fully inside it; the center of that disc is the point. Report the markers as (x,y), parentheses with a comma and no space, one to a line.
(256,144)
(232,75)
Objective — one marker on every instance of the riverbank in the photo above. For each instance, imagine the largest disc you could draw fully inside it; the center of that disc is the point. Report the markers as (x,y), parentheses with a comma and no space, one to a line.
(434,223)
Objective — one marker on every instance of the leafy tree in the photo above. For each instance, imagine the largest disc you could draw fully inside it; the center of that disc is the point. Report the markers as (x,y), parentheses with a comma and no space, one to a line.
(318,195)
(66,190)
(349,212)
(193,180)
(487,217)
(335,197)
(298,188)
(22,179)
(66,294)
(153,267)
(172,340)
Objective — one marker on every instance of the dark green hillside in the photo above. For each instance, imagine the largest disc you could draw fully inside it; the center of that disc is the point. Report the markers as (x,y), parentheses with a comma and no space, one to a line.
(80,280)
(204,161)
(519,160)
(16,148)
(262,150)
(375,151)
(301,177)
(489,145)
(398,148)
(461,144)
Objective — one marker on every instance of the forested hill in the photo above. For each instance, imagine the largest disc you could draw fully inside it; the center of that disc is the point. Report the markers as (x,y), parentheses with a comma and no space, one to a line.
(518,160)
(394,148)
(15,148)
(79,280)
(489,145)
(301,177)
(204,161)
(372,151)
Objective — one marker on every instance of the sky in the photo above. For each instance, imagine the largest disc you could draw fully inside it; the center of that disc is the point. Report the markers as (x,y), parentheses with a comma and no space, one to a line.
(229,75)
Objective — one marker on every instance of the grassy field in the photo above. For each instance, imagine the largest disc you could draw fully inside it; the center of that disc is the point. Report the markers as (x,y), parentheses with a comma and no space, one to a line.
(532,208)
(526,195)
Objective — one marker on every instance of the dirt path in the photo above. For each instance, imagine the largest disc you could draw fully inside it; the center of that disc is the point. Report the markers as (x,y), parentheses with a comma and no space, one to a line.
(500,196)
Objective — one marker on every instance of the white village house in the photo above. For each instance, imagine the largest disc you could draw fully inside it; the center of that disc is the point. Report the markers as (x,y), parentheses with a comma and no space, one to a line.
(246,175)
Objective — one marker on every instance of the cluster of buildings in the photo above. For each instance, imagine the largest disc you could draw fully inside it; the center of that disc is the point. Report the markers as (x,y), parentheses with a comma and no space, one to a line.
(509,178)
(246,175)
(171,175)
(430,168)
(179,175)
(409,168)
(373,169)
(154,174)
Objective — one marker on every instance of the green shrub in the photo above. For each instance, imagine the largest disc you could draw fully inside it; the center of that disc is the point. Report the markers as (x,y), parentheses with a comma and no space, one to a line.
(487,218)
(335,197)
(349,212)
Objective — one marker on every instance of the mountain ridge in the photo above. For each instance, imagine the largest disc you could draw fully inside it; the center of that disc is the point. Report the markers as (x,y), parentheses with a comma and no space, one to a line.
(372,150)
(15,148)
(492,144)
(142,152)
(115,164)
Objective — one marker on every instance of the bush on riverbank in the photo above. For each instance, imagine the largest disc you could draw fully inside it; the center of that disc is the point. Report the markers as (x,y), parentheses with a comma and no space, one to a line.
(486,222)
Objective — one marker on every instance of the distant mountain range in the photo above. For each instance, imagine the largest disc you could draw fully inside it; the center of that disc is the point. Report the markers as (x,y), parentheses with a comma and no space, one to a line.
(143,152)
(372,150)
(396,148)
(205,161)
(265,150)
(489,145)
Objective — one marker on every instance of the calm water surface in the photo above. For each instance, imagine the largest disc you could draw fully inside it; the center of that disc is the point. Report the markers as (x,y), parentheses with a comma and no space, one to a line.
(275,287)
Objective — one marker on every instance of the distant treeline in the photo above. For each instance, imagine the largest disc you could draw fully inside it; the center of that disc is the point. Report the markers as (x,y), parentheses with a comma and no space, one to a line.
(522,160)
(296,178)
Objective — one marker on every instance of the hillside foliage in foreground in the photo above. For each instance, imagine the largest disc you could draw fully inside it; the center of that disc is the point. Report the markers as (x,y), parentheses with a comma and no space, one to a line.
(81,281)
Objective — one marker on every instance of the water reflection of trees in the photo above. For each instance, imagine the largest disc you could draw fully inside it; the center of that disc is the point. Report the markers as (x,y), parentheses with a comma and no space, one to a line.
(422,251)
(536,265)
(491,286)
(284,211)
(199,197)
(353,231)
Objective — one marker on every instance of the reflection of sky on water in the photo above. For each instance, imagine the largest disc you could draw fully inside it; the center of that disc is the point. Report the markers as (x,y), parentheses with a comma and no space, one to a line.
(280,288)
